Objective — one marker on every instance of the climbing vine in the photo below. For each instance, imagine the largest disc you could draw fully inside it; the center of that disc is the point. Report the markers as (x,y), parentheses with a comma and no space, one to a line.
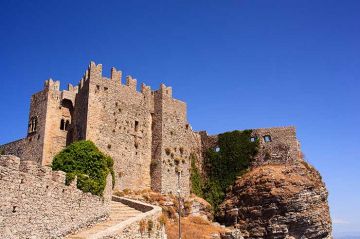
(195,178)
(222,165)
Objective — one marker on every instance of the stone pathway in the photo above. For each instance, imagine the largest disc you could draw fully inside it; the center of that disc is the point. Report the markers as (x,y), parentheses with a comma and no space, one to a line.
(118,213)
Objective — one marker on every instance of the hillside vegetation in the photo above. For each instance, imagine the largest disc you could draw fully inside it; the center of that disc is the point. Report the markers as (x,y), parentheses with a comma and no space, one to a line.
(222,165)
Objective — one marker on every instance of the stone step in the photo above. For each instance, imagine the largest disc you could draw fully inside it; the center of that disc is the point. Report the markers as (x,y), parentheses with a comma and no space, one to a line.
(118,212)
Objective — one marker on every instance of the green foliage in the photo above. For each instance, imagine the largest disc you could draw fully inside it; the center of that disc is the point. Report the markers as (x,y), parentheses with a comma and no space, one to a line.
(85,161)
(195,178)
(2,152)
(222,167)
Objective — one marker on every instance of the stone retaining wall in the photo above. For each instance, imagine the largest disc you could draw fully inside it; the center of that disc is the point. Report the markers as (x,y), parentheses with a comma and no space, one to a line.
(145,225)
(35,202)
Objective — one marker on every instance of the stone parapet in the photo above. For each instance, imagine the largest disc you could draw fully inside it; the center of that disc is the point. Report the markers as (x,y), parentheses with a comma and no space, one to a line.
(35,202)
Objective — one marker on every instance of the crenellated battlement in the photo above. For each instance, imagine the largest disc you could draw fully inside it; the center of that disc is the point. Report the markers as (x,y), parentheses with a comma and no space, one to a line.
(166,90)
(145,89)
(115,75)
(50,84)
(94,71)
(72,88)
(31,168)
(131,82)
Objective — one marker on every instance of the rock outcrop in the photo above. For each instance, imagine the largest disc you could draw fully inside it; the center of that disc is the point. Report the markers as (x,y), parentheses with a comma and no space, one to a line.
(279,201)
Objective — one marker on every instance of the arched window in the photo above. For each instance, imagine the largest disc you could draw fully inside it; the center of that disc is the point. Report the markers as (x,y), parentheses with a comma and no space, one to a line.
(62,124)
(67,125)
(33,124)
(30,127)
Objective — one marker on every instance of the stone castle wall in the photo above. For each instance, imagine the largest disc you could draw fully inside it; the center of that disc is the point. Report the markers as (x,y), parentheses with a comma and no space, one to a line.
(31,147)
(276,145)
(283,146)
(35,202)
(119,123)
(146,132)
(178,141)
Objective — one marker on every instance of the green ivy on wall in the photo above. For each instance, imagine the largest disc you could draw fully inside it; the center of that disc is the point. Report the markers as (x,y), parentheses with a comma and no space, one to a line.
(222,165)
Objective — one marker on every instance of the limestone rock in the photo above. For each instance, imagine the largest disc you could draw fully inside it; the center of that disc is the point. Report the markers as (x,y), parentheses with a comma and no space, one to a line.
(196,206)
(279,201)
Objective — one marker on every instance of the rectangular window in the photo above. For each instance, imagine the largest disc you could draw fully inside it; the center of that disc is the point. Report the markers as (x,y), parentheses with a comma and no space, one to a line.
(267,138)
(136,126)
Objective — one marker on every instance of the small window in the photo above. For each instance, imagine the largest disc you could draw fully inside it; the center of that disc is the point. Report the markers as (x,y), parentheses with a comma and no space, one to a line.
(267,138)
(33,124)
(67,125)
(136,125)
(217,149)
(253,139)
(62,124)
(105,88)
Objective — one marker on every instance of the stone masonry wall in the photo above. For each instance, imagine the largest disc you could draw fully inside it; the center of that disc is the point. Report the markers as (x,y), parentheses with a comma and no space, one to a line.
(58,114)
(119,123)
(178,141)
(35,202)
(146,133)
(31,147)
(283,146)
(48,107)
(280,146)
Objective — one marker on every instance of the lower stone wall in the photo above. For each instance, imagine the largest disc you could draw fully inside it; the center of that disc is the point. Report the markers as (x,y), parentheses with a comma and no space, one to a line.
(35,202)
(29,148)
(133,231)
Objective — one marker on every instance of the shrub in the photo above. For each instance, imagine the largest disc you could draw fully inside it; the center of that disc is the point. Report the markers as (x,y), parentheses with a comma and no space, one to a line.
(162,220)
(2,152)
(119,193)
(150,226)
(85,161)
(142,226)
(127,191)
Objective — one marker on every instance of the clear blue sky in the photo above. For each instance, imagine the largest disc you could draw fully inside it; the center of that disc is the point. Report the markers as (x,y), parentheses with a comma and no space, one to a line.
(238,64)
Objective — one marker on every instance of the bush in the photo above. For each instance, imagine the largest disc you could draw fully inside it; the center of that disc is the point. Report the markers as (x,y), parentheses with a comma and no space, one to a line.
(2,152)
(85,161)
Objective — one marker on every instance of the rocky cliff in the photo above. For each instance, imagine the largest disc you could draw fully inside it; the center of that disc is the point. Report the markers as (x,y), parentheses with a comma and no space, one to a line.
(279,201)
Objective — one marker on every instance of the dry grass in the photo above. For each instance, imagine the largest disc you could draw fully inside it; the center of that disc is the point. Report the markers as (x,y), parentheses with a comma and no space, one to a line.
(192,228)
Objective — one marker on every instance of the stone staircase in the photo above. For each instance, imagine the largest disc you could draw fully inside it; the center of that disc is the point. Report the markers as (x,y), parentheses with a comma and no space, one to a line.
(119,213)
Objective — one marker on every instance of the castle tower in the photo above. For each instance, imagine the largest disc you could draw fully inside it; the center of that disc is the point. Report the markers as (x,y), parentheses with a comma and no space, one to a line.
(172,143)
(117,118)
(49,121)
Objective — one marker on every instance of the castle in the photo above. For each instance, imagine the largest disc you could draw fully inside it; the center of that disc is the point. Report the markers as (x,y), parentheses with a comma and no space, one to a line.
(146,133)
